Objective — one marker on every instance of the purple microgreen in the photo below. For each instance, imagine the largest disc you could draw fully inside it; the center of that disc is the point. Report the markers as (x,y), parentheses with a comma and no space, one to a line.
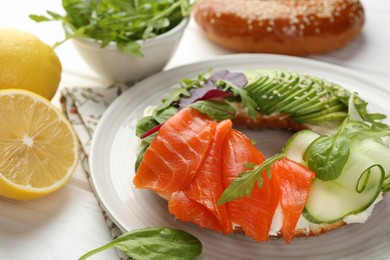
(236,78)
(216,94)
(211,91)
(204,93)
(205,89)
(195,95)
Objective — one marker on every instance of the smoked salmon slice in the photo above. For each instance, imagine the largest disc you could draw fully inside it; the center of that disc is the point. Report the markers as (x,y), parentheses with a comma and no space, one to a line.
(254,213)
(188,210)
(207,186)
(294,182)
(193,159)
(173,158)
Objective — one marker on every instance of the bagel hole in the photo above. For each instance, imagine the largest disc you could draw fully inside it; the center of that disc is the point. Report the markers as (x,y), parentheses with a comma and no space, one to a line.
(268,141)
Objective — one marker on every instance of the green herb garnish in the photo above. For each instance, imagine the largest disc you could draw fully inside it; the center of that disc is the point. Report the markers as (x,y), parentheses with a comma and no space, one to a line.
(245,182)
(121,21)
(246,100)
(154,243)
(216,109)
(327,155)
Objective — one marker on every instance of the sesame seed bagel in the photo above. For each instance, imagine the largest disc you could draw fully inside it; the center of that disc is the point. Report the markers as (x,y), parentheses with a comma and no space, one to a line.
(313,108)
(293,27)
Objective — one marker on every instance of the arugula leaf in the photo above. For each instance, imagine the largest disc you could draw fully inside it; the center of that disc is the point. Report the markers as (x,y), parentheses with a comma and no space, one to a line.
(121,21)
(174,97)
(327,155)
(130,47)
(154,243)
(218,110)
(245,182)
(247,101)
(357,111)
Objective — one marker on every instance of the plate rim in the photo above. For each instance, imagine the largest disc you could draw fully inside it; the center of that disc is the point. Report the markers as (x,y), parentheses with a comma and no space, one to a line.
(104,121)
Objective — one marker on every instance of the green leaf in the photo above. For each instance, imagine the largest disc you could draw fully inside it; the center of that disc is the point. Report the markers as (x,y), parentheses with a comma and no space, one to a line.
(173,97)
(327,155)
(132,48)
(246,100)
(162,115)
(39,18)
(240,187)
(140,156)
(144,125)
(357,109)
(121,21)
(218,110)
(245,182)
(154,243)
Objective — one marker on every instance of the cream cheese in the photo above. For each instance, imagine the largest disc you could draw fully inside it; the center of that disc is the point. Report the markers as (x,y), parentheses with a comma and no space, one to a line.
(364,215)
(304,224)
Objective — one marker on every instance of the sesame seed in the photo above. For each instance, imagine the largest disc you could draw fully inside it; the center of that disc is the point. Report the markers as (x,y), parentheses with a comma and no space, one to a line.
(298,13)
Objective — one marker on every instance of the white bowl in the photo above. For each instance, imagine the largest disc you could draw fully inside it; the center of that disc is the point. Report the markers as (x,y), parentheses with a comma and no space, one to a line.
(113,65)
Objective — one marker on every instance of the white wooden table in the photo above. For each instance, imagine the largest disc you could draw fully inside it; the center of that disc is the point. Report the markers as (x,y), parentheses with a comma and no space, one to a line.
(69,223)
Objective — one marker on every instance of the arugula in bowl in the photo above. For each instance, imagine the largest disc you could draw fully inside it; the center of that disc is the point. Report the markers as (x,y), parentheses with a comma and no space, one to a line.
(121,21)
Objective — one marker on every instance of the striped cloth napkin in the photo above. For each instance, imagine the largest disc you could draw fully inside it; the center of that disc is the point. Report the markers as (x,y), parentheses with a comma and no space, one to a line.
(84,107)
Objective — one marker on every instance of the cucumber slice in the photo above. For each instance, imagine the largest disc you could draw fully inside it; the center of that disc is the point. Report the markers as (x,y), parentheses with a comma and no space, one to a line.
(357,187)
(297,145)
(354,191)
(377,151)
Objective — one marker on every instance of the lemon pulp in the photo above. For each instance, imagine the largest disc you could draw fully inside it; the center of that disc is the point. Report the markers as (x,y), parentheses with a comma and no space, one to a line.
(38,146)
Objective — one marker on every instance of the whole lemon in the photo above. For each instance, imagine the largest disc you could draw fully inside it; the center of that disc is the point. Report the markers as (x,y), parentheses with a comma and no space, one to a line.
(28,63)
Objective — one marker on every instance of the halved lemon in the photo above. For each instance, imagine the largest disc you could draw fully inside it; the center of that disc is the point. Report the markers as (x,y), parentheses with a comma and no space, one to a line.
(39,149)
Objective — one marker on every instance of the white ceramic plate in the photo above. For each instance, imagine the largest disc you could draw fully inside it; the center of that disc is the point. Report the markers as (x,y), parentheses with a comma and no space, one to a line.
(113,154)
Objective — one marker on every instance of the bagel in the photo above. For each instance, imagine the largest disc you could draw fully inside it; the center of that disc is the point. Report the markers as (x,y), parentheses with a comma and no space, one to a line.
(312,108)
(297,27)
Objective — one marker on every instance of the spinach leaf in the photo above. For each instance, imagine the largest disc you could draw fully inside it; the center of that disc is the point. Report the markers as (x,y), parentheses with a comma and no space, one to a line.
(218,110)
(327,155)
(140,156)
(154,243)
(162,115)
(145,124)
